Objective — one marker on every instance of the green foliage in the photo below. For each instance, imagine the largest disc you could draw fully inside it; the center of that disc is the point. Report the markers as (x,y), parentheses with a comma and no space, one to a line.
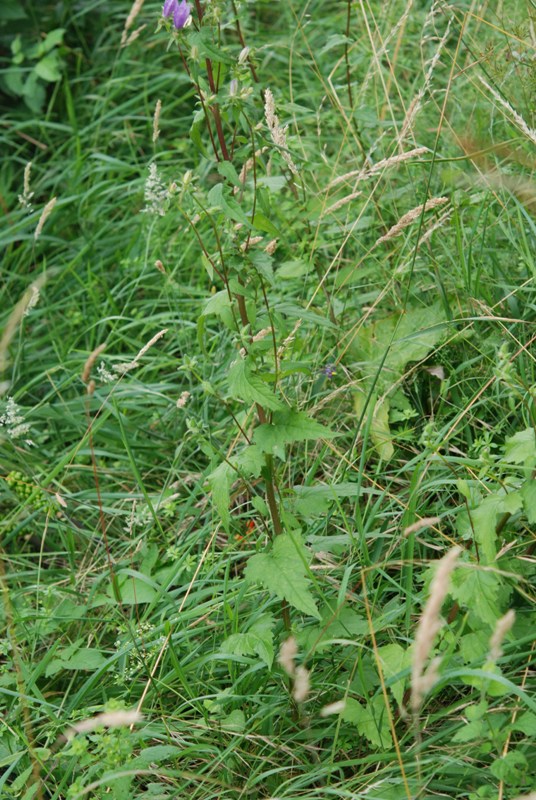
(345,389)
(283,571)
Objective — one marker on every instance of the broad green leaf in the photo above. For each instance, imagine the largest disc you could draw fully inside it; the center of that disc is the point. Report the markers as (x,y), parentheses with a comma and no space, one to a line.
(380,433)
(484,521)
(262,223)
(219,198)
(250,461)
(257,641)
(371,720)
(135,589)
(48,68)
(480,591)
(511,768)
(473,730)
(235,721)
(378,347)
(521,448)
(528,493)
(282,571)
(217,304)
(395,659)
(203,41)
(228,170)
(220,481)
(346,628)
(244,385)
(526,723)
(85,658)
(156,754)
(289,426)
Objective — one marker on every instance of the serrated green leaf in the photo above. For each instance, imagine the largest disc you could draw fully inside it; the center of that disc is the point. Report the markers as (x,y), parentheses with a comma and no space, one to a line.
(526,723)
(395,659)
(244,385)
(473,730)
(257,641)
(521,447)
(511,768)
(484,521)
(220,481)
(250,461)
(371,720)
(282,571)
(480,591)
(289,426)
(528,494)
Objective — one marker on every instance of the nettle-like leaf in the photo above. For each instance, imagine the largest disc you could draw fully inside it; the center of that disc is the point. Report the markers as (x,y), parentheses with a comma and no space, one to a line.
(371,720)
(484,521)
(289,426)
(244,385)
(283,571)
(481,591)
(380,432)
(384,349)
(395,659)
(258,640)
(528,494)
(521,447)
(220,481)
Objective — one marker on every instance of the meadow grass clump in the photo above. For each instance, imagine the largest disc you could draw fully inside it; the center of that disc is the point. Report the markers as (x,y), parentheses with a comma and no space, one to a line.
(267,401)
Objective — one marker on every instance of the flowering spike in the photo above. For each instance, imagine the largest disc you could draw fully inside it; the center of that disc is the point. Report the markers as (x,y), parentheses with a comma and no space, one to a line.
(180,12)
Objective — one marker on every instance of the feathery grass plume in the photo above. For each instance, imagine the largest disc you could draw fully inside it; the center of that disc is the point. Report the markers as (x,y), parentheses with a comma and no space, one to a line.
(300,691)
(287,654)
(121,369)
(518,119)
(271,247)
(333,708)
(425,522)
(411,216)
(416,103)
(33,299)
(261,334)
(277,132)
(156,120)
(45,214)
(160,267)
(380,166)
(18,313)
(108,719)
(129,22)
(497,638)
(26,196)
(90,361)
(430,623)
(342,202)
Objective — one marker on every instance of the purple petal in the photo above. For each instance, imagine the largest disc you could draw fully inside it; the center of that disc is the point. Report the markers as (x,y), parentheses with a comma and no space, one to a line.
(170,7)
(181,13)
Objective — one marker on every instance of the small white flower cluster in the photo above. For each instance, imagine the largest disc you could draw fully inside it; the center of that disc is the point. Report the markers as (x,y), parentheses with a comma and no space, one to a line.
(13,421)
(156,194)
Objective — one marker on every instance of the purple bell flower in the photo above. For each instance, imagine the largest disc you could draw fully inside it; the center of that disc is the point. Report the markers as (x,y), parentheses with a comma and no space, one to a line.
(180,12)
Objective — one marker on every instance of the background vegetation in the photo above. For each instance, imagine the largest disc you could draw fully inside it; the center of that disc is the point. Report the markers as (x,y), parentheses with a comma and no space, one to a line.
(340,388)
